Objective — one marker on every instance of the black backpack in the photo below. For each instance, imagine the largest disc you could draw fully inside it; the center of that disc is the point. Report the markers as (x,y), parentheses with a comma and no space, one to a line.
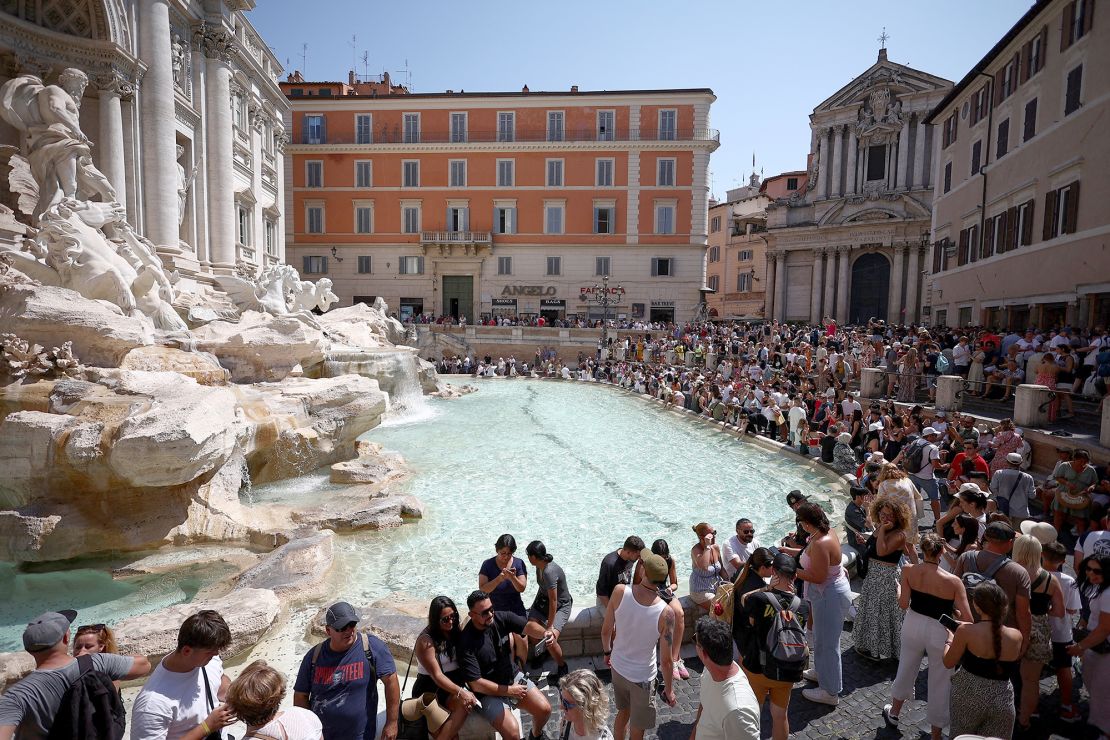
(91,708)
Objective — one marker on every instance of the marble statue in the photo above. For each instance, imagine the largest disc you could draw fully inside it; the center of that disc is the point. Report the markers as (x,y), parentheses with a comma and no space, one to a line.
(79,237)
(308,295)
(184,184)
(178,51)
(277,290)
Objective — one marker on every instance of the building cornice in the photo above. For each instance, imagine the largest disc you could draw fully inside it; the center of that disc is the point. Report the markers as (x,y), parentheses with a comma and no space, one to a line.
(503,146)
(464,101)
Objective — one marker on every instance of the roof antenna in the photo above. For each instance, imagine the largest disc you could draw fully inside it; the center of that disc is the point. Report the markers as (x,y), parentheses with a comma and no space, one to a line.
(366,64)
(354,53)
(304,59)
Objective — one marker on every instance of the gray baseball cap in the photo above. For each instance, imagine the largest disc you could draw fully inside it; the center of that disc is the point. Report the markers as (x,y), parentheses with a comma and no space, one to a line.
(340,614)
(47,630)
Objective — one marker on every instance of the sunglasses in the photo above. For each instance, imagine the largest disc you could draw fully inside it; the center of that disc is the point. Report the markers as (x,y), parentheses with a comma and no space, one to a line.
(345,628)
(486,612)
(747,531)
(96,627)
(567,706)
(1091,569)
(448,618)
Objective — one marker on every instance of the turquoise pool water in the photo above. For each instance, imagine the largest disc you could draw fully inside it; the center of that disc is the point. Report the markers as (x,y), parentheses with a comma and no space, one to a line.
(575,465)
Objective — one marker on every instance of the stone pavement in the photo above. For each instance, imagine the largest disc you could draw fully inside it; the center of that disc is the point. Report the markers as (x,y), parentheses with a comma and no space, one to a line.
(859,714)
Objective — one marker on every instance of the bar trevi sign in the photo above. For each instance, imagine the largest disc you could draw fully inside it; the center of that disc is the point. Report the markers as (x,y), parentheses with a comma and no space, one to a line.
(529,290)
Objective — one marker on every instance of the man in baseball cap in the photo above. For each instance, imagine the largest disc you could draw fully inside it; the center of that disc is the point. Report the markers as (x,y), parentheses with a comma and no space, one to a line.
(27,709)
(1011,490)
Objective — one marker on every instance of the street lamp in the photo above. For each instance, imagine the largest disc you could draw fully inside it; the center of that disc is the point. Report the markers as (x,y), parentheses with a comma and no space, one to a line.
(603,295)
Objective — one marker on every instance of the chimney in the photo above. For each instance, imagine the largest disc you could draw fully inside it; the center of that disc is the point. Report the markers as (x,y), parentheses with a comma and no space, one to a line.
(351,77)
(574,88)
(524,89)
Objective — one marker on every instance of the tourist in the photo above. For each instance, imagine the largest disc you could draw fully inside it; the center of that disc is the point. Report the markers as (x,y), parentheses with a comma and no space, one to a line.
(1047,372)
(970,500)
(182,698)
(1005,441)
(1094,541)
(585,705)
(93,638)
(750,578)
(738,548)
(878,623)
(646,629)
(667,594)
(437,666)
(706,573)
(927,594)
(1094,647)
(987,653)
(844,457)
(966,530)
(829,597)
(485,657)
(896,483)
(504,577)
(1076,482)
(551,607)
(255,698)
(856,526)
(1045,599)
(1013,579)
(338,679)
(1012,488)
(768,678)
(28,707)
(794,542)
(617,567)
(1053,555)
(828,443)
(728,708)
(923,473)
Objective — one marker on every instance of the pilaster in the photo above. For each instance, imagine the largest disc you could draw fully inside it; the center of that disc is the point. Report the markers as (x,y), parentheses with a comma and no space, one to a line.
(159,140)
(843,288)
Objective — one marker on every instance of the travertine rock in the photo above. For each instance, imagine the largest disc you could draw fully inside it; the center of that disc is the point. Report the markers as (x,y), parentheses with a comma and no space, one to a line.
(14,666)
(199,366)
(364,508)
(249,612)
(361,326)
(50,316)
(262,347)
(294,570)
(372,468)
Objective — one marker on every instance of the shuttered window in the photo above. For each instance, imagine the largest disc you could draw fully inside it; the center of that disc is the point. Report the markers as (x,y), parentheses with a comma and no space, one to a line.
(1061,211)
(410,266)
(364,264)
(1074,88)
(1030,128)
(976,157)
(1003,139)
(364,132)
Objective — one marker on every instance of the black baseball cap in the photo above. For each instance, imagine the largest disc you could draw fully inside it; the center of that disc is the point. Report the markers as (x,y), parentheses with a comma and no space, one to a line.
(794,497)
(340,614)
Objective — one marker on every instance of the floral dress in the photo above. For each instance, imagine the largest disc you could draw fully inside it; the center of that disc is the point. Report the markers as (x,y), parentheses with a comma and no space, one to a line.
(1006,442)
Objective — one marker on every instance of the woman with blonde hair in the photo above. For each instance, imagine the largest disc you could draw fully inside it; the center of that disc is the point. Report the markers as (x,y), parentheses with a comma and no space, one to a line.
(255,696)
(896,483)
(585,707)
(927,593)
(1046,599)
(878,626)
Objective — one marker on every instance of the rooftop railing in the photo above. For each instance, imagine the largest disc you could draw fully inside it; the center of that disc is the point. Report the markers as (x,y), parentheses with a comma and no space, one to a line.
(396,135)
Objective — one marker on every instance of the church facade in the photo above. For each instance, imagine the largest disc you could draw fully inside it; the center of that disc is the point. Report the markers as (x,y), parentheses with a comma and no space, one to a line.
(184,114)
(851,245)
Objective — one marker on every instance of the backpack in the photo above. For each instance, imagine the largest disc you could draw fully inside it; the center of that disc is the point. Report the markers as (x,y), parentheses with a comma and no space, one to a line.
(912,462)
(786,650)
(973,578)
(943,365)
(91,707)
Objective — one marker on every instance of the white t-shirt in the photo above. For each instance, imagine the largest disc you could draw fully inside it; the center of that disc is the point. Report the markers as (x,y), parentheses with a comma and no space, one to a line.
(930,453)
(293,723)
(733,546)
(1100,604)
(1062,626)
(171,704)
(729,710)
(1097,541)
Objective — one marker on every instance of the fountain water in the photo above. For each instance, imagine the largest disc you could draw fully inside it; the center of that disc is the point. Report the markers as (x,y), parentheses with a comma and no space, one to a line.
(397,371)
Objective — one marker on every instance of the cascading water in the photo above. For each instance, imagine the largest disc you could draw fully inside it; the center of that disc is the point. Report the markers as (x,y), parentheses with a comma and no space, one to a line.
(395,369)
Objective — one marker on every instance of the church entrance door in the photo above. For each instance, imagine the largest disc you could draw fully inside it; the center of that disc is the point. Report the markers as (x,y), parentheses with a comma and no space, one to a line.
(870,288)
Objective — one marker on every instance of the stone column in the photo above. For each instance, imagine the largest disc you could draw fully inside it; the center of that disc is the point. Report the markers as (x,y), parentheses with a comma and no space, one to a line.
(913,282)
(769,295)
(853,166)
(823,162)
(920,166)
(216,43)
(815,299)
(837,155)
(780,288)
(904,155)
(159,140)
(872,383)
(894,302)
(843,288)
(827,308)
(1028,399)
(110,147)
(1104,431)
(948,392)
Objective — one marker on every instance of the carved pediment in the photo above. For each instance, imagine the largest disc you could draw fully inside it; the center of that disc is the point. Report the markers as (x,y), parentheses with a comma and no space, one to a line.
(898,79)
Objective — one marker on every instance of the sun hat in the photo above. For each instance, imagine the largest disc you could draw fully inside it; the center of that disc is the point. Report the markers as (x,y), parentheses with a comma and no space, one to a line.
(1042,531)
(655,566)
(47,630)
(1014,458)
(928,432)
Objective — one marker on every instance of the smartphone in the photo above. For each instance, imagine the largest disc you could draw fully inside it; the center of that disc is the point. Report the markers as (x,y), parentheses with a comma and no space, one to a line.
(948,621)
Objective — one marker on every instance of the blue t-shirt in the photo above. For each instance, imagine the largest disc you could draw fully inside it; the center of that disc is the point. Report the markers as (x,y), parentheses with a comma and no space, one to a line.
(343,690)
(505,598)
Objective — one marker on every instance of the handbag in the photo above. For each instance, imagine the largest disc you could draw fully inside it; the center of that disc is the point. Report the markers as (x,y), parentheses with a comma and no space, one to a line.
(417,714)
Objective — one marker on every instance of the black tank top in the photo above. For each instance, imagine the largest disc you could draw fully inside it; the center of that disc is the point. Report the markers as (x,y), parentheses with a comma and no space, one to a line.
(928,605)
(989,668)
(873,553)
(1040,601)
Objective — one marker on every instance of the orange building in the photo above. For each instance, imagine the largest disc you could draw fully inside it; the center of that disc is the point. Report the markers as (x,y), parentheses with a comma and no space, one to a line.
(478,204)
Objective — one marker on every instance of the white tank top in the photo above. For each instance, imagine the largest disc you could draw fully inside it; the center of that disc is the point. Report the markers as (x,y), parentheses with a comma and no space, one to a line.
(637,628)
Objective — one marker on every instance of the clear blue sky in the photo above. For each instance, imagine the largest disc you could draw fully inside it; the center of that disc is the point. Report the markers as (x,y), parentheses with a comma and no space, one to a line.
(769,63)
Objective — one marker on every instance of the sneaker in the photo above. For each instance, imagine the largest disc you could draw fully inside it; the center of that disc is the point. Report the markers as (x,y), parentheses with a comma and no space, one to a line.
(820,696)
(1069,714)
(680,670)
(889,718)
(810,674)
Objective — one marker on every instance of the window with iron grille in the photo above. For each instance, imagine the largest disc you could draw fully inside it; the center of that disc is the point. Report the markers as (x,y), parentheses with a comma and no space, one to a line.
(458,127)
(364,129)
(555,127)
(411,123)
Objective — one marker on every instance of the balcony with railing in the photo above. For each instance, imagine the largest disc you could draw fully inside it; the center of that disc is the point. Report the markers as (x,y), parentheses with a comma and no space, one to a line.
(397,135)
(456,243)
